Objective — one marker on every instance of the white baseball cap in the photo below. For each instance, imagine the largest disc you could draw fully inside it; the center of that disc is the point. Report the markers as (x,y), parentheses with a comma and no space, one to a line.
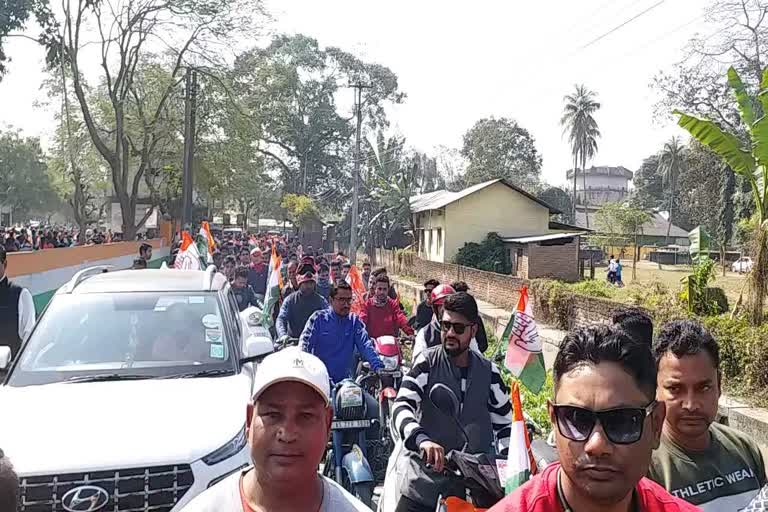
(292,365)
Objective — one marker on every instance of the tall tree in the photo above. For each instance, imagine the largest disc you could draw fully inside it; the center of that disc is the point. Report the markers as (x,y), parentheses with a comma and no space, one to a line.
(750,161)
(14,16)
(24,183)
(501,148)
(290,87)
(648,190)
(579,124)
(128,128)
(725,217)
(620,224)
(672,163)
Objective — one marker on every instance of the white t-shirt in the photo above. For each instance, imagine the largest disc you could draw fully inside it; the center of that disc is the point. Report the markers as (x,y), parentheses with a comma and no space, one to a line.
(225,497)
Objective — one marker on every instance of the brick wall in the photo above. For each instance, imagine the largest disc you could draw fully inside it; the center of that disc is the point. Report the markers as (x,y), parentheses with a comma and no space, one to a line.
(554,261)
(498,289)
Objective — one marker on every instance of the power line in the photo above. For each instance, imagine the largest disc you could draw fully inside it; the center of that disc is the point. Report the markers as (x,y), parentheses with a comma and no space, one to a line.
(627,22)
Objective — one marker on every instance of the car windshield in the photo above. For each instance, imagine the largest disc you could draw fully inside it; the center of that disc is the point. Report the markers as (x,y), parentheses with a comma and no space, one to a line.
(115,336)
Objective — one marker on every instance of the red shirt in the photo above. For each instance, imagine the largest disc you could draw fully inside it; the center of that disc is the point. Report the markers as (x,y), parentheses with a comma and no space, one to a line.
(384,320)
(540,495)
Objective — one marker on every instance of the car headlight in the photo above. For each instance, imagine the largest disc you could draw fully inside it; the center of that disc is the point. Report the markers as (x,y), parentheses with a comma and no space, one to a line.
(230,449)
(390,362)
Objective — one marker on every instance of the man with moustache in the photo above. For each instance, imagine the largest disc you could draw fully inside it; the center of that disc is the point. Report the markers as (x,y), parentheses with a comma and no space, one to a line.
(288,423)
(701,461)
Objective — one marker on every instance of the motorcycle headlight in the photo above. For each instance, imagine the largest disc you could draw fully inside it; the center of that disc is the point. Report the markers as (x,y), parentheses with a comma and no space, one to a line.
(390,362)
(230,449)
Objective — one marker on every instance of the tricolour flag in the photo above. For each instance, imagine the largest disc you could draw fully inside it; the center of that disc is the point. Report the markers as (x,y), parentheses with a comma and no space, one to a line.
(188,258)
(355,280)
(206,244)
(519,465)
(274,286)
(524,357)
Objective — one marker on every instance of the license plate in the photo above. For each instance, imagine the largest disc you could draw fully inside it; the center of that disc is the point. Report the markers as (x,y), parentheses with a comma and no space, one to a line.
(394,373)
(339,425)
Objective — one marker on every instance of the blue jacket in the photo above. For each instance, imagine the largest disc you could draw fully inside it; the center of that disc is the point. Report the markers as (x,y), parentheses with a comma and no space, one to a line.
(333,339)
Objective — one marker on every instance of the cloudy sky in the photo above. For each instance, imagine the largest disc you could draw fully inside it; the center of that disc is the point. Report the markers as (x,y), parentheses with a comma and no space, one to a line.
(461,61)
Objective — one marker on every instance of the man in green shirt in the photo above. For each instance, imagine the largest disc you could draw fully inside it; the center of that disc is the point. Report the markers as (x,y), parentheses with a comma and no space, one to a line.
(701,461)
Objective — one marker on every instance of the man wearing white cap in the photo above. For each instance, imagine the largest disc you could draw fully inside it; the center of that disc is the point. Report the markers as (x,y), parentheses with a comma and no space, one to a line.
(287,424)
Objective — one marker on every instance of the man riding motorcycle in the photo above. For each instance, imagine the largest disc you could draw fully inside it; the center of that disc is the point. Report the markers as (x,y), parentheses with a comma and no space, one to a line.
(298,307)
(381,315)
(429,336)
(485,410)
(335,335)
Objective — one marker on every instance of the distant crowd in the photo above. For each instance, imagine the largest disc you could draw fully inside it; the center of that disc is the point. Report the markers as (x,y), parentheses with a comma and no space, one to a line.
(27,238)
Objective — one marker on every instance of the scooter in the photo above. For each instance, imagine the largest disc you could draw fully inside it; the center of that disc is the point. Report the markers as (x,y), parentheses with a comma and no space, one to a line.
(346,461)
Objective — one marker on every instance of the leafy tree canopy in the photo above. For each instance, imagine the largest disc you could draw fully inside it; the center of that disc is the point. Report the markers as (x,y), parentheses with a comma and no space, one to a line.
(490,255)
(501,148)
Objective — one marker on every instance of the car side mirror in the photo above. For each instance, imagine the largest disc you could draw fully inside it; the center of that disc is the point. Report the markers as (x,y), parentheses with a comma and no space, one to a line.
(5,357)
(445,400)
(256,348)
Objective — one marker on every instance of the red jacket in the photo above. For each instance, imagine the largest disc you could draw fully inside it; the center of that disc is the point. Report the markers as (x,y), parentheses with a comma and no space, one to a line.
(540,495)
(384,320)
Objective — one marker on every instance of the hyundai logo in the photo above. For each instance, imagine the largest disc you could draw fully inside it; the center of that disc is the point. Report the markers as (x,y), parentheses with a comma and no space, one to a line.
(86,498)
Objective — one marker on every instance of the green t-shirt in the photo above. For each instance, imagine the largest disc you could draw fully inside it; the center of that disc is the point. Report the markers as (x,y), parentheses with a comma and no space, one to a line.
(724,477)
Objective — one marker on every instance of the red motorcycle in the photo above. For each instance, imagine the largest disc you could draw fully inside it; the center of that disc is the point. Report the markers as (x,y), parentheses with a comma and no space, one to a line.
(389,349)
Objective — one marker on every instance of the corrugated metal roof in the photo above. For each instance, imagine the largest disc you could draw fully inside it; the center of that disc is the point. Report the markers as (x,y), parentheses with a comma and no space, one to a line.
(442,198)
(542,238)
(656,227)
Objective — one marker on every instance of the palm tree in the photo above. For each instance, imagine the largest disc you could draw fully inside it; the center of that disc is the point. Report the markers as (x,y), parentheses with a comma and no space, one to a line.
(580,125)
(671,164)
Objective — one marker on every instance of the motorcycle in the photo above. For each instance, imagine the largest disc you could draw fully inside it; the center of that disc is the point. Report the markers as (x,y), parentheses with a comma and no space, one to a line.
(389,350)
(346,460)
(479,473)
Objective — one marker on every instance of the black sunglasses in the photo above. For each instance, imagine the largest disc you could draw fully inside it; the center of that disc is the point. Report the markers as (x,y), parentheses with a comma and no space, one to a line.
(621,426)
(457,327)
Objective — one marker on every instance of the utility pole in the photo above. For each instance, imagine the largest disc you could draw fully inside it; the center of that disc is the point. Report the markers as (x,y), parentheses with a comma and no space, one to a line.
(356,178)
(190,110)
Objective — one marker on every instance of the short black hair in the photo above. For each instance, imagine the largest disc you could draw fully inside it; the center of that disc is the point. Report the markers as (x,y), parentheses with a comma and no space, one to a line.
(462,303)
(379,270)
(346,264)
(460,286)
(323,268)
(144,248)
(634,321)
(382,278)
(9,485)
(607,344)
(241,272)
(230,259)
(335,263)
(341,285)
(431,282)
(685,338)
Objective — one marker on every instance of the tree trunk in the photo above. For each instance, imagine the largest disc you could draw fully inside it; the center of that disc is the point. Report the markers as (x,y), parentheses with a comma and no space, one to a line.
(584,182)
(722,257)
(758,281)
(669,224)
(575,164)
(635,257)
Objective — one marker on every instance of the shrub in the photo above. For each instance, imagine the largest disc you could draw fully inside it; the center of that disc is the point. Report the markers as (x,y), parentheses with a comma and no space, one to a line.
(663,304)
(490,255)
(555,301)
(593,288)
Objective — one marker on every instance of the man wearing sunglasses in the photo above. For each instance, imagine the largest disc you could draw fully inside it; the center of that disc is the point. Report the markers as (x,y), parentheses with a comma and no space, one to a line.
(607,423)
(705,463)
(485,411)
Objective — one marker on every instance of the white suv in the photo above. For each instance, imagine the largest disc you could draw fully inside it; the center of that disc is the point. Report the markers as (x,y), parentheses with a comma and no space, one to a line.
(130,394)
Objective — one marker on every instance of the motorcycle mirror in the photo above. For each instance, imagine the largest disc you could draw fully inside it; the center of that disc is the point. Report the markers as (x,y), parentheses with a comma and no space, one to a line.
(444,399)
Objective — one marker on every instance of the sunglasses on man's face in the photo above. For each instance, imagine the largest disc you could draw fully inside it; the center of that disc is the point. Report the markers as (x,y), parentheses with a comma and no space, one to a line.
(457,327)
(621,426)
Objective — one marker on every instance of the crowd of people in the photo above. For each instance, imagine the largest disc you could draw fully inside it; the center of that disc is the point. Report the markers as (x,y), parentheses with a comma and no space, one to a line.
(28,238)
(634,411)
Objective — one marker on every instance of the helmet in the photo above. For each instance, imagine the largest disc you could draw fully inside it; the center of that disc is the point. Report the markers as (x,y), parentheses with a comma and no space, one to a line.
(440,293)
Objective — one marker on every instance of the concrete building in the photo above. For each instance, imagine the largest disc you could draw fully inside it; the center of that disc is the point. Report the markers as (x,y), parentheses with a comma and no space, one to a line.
(445,221)
(604,184)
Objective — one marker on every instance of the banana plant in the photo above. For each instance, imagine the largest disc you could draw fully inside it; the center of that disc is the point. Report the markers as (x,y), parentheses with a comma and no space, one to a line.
(750,160)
